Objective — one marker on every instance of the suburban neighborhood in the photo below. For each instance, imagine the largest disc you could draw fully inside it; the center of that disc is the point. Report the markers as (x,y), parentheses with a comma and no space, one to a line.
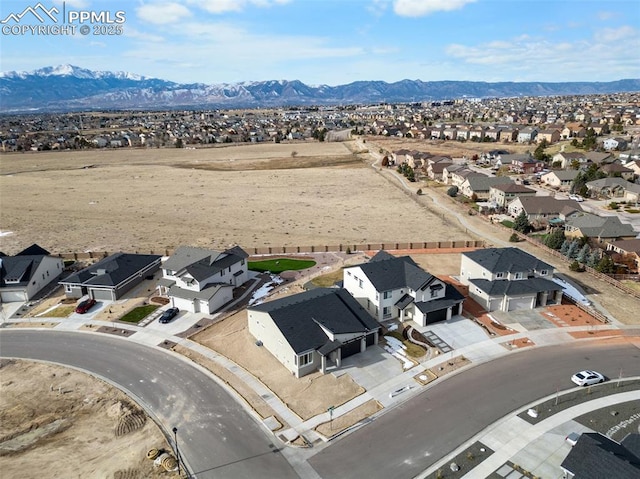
(317,343)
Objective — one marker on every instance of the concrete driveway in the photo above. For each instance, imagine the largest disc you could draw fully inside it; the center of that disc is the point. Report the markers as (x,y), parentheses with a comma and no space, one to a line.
(458,332)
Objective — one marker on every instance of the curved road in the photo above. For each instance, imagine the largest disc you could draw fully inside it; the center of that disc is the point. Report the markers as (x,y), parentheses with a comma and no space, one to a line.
(216,437)
(409,439)
(219,439)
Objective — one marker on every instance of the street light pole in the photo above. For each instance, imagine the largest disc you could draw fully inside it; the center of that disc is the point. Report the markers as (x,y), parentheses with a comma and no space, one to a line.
(175,442)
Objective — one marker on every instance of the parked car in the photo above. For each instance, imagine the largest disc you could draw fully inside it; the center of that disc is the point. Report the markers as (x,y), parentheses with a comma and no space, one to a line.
(587,378)
(577,198)
(85,305)
(572,438)
(168,315)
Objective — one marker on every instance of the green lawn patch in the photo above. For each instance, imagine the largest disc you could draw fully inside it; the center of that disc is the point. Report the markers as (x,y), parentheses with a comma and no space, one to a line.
(413,350)
(138,314)
(507,223)
(281,264)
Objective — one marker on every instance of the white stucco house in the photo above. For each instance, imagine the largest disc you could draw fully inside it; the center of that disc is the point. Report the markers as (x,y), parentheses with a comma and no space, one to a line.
(508,279)
(202,280)
(313,330)
(390,287)
(24,275)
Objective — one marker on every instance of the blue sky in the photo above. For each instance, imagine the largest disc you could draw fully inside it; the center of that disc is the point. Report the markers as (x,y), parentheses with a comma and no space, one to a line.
(340,41)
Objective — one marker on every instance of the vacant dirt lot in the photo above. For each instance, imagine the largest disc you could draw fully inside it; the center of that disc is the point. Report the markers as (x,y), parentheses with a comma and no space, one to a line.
(70,424)
(255,195)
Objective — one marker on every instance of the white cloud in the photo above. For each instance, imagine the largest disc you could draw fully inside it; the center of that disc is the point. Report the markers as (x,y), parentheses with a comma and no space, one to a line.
(615,34)
(419,8)
(605,15)
(162,13)
(222,6)
(143,36)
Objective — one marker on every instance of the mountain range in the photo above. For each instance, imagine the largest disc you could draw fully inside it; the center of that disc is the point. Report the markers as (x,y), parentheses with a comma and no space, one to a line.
(68,87)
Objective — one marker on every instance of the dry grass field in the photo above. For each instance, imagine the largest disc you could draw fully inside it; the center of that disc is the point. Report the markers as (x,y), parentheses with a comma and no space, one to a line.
(251,195)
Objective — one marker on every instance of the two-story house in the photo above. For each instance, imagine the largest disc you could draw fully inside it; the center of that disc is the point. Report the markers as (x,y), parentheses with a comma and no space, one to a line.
(500,195)
(560,179)
(390,287)
(202,280)
(507,279)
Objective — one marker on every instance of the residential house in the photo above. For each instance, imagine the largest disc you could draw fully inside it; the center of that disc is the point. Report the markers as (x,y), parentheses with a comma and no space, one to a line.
(596,456)
(457,176)
(203,280)
(608,187)
(24,275)
(616,169)
(616,143)
(552,136)
(110,278)
(477,133)
(390,287)
(502,194)
(508,134)
(633,165)
(313,330)
(542,208)
(525,164)
(559,179)
(568,160)
(507,279)
(587,225)
(632,193)
(598,158)
(527,134)
(628,251)
(477,187)
(435,169)
(573,130)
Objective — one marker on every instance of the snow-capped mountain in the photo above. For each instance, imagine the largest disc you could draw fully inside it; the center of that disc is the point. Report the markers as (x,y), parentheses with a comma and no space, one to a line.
(68,87)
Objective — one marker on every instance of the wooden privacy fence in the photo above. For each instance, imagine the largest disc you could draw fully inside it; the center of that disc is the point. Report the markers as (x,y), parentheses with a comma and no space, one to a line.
(342,247)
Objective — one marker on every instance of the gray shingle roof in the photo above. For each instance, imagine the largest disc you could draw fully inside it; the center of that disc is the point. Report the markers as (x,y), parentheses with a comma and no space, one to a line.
(503,260)
(483,183)
(451,297)
(203,263)
(517,287)
(18,269)
(595,456)
(546,205)
(299,317)
(594,226)
(112,270)
(387,273)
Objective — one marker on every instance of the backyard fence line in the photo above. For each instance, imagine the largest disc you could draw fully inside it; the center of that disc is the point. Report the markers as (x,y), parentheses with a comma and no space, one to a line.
(271,250)
(604,277)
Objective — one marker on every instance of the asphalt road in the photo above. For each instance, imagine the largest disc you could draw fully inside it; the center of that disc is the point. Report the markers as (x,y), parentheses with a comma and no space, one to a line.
(409,439)
(215,435)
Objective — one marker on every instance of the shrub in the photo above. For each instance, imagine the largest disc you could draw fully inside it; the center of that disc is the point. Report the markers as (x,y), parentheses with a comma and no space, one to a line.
(575,266)
(613,205)
(514,238)
(419,192)
(453,191)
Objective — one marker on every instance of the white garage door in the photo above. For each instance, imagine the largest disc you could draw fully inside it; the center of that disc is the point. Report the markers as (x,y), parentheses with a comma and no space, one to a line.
(519,303)
(13,296)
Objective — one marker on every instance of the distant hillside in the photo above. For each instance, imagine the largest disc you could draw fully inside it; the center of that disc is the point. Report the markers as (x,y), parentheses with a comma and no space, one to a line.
(68,87)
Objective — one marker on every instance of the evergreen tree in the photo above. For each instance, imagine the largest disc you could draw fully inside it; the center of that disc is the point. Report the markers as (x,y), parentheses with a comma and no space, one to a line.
(555,239)
(583,254)
(594,258)
(574,248)
(606,265)
(521,224)
(565,247)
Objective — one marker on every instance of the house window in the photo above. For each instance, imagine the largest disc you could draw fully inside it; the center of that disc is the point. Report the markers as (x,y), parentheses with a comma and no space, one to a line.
(386,311)
(67,288)
(242,263)
(543,272)
(434,293)
(499,275)
(377,296)
(222,273)
(348,273)
(386,295)
(518,276)
(305,359)
(360,283)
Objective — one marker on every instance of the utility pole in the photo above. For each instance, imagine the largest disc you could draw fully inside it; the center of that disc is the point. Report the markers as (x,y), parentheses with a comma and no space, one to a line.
(175,442)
